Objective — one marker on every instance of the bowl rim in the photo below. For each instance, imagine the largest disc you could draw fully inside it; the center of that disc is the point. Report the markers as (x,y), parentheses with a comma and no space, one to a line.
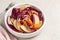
(8,28)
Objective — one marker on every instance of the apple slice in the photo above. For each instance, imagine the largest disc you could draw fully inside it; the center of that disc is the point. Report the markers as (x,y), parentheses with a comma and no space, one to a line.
(9,21)
(24,6)
(26,29)
(33,12)
(15,24)
(18,24)
(12,20)
(36,21)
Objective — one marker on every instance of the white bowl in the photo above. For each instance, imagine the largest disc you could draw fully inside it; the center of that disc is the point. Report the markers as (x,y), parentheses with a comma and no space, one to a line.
(23,35)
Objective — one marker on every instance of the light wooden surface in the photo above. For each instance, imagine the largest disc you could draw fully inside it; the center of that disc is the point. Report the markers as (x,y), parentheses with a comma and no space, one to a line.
(51,31)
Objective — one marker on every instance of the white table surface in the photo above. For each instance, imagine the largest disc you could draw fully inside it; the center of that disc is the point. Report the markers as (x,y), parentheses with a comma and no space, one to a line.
(51,31)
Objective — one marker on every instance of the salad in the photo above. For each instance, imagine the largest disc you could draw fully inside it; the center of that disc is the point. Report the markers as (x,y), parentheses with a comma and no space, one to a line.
(25,19)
